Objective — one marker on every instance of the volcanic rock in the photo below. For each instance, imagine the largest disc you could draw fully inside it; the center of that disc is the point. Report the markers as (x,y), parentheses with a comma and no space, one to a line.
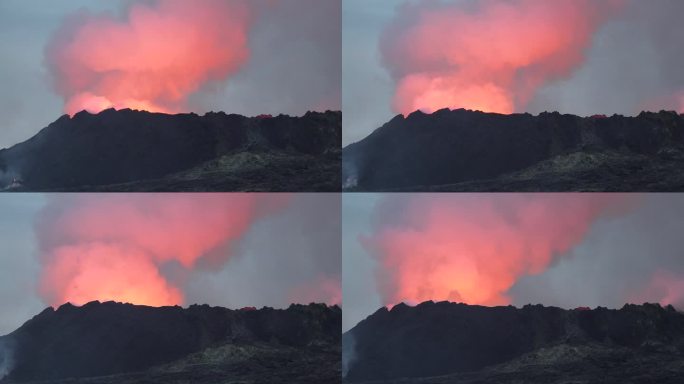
(130,150)
(458,343)
(123,343)
(462,150)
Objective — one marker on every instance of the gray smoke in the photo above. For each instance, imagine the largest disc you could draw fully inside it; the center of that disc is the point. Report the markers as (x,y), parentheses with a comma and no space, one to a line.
(635,64)
(9,178)
(350,173)
(348,352)
(294,256)
(6,357)
(295,64)
(636,258)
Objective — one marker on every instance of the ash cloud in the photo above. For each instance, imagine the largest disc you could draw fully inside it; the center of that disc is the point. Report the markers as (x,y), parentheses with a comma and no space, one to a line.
(473,248)
(489,55)
(290,251)
(291,257)
(634,64)
(111,246)
(295,63)
(267,56)
(566,250)
(170,249)
(631,252)
(153,58)
(636,258)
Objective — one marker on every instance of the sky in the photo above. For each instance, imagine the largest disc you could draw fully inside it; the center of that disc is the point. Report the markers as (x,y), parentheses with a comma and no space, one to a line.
(630,59)
(293,64)
(565,250)
(288,249)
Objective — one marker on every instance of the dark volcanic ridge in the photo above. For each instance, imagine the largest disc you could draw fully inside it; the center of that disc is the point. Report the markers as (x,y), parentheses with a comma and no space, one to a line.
(129,150)
(123,343)
(458,343)
(462,150)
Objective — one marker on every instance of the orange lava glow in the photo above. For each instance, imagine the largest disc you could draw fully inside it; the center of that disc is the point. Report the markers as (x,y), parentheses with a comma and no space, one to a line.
(473,248)
(153,59)
(107,272)
(113,247)
(489,55)
(92,103)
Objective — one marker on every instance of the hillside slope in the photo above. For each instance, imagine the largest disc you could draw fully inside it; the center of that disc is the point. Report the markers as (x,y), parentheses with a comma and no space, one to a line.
(140,151)
(463,150)
(457,343)
(118,343)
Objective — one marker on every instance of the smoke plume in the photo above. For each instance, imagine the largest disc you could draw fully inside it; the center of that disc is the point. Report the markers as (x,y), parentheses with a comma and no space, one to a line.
(473,248)
(634,258)
(489,55)
(6,357)
(153,58)
(114,247)
(348,352)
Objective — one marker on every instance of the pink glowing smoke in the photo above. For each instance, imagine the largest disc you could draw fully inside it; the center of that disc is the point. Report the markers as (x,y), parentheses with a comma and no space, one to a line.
(664,288)
(324,289)
(153,59)
(673,101)
(473,248)
(112,247)
(489,55)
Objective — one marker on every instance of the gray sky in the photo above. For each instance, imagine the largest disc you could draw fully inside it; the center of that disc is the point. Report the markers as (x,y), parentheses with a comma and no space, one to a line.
(634,61)
(19,268)
(366,86)
(623,257)
(295,63)
(360,297)
(282,255)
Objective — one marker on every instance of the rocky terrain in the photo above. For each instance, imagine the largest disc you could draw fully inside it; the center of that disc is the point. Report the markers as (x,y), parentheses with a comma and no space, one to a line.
(461,150)
(130,150)
(122,343)
(457,343)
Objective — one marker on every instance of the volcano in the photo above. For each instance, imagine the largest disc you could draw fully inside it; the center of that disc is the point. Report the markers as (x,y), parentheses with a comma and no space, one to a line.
(130,150)
(123,343)
(457,343)
(472,151)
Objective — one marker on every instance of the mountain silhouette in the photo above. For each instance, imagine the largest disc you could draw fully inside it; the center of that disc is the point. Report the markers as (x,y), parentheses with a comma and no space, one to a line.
(458,343)
(121,343)
(462,150)
(130,150)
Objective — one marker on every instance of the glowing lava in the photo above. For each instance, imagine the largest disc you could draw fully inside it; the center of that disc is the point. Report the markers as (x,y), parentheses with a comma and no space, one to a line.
(489,55)
(153,59)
